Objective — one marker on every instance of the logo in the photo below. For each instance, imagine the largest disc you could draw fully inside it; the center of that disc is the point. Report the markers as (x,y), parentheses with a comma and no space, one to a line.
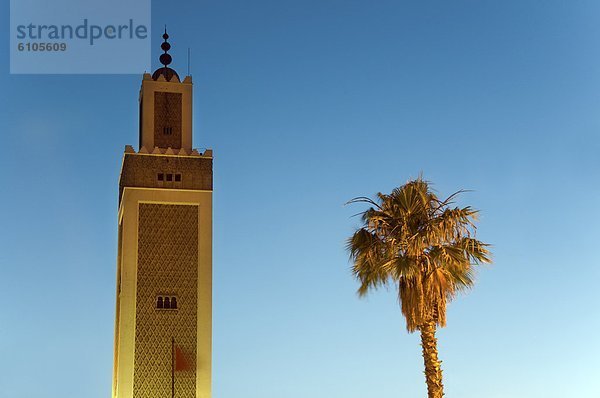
(63,38)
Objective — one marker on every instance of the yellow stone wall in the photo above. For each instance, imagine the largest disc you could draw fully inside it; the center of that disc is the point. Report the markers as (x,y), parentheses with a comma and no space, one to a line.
(147,109)
(182,219)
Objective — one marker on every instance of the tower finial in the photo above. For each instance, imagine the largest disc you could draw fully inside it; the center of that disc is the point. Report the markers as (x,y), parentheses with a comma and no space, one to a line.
(165,58)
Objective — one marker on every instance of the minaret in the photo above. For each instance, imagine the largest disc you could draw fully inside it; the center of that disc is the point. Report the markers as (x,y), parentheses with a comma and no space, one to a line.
(164,264)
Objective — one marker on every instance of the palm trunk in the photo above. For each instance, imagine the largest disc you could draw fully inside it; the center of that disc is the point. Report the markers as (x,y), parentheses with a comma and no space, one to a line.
(433,369)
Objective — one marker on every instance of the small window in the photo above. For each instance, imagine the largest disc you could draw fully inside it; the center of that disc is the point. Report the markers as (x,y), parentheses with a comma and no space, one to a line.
(167,130)
(161,177)
(166,302)
(169,177)
(177,177)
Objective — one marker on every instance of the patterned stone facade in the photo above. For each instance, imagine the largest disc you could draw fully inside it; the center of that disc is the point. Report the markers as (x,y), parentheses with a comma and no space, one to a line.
(142,171)
(167,120)
(167,265)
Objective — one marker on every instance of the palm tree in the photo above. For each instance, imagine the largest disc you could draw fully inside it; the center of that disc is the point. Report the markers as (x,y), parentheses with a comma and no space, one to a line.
(426,248)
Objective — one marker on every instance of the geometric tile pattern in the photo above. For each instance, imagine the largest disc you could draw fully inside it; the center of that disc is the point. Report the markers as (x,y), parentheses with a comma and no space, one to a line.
(167,114)
(167,265)
(141,171)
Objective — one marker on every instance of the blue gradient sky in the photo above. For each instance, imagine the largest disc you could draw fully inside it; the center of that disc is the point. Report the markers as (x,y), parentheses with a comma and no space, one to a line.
(306,105)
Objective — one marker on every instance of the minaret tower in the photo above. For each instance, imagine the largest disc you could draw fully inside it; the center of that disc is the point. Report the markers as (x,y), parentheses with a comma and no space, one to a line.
(164,263)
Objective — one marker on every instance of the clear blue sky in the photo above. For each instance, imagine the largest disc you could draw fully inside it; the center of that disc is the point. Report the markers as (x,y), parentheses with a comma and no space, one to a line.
(306,105)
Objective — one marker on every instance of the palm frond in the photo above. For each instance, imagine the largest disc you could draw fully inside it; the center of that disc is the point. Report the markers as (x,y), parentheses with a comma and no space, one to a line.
(413,240)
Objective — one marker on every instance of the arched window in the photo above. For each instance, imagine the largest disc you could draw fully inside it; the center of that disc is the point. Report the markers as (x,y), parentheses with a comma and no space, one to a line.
(166,302)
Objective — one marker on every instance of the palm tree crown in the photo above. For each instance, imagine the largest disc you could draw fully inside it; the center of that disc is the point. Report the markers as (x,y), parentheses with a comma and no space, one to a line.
(420,244)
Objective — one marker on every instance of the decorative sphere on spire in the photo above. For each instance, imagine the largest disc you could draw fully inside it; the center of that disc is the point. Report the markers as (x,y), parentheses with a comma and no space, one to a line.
(166,60)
